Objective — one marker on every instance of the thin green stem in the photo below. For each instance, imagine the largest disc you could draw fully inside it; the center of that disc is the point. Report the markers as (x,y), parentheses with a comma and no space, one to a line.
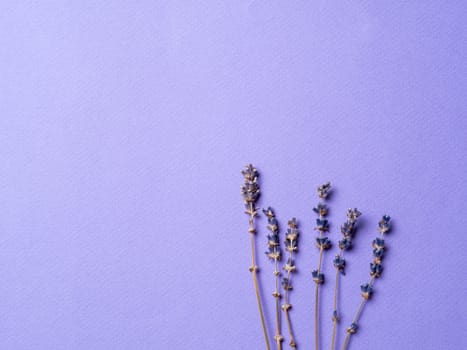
(346,341)
(289,326)
(260,309)
(320,258)
(316,316)
(355,320)
(317,299)
(359,312)
(322,226)
(278,336)
(335,317)
(254,269)
(288,306)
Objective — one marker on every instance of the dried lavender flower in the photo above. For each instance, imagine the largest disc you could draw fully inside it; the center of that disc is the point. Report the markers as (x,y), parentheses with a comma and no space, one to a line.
(352,329)
(274,254)
(274,249)
(367,291)
(290,265)
(322,225)
(376,268)
(286,284)
(250,192)
(291,245)
(321,209)
(384,224)
(323,190)
(348,229)
(323,243)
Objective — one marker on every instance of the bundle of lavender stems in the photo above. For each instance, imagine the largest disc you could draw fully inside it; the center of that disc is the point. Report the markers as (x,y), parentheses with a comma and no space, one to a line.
(283,255)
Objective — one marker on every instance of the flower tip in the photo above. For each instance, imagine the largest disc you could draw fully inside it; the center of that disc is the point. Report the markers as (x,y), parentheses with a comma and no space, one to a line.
(353,213)
(384,225)
(292,223)
(324,189)
(250,172)
(269,212)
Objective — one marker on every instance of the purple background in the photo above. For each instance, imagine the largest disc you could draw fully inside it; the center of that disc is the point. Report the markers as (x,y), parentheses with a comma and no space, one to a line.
(124,126)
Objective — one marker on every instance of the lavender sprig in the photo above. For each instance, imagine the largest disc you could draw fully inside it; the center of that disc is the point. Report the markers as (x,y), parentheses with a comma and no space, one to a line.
(250,193)
(376,269)
(323,243)
(348,229)
(274,254)
(291,245)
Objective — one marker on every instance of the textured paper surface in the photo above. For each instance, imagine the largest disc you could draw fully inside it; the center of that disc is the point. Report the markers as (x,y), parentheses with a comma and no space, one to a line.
(123,130)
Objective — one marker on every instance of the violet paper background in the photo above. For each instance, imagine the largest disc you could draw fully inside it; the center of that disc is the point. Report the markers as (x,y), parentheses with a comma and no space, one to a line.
(123,130)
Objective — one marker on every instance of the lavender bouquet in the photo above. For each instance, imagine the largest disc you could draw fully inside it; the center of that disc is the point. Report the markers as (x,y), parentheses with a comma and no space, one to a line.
(250,192)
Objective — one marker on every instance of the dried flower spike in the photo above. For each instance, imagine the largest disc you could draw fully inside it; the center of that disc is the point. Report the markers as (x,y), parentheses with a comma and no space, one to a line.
(348,229)
(291,245)
(250,193)
(274,254)
(323,243)
(376,269)
(323,190)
